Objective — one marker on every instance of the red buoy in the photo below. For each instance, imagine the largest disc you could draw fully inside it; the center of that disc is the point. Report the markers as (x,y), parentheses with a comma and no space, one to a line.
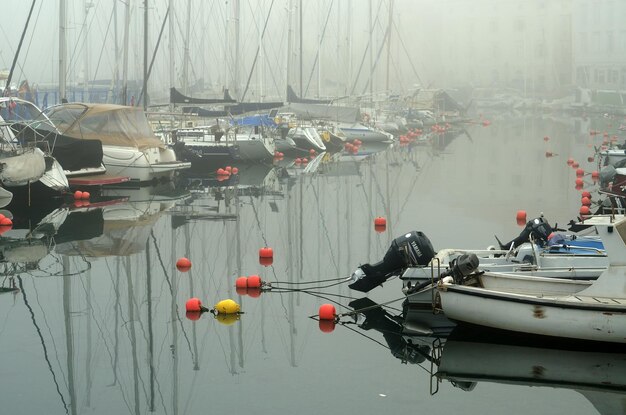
(586,194)
(242,290)
(579,181)
(520,216)
(305,160)
(78,195)
(585,201)
(183,264)
(2,216)
(312,152)
(241,282)
(193,304)
(584,210)
(570,161)
(228,169)
(575,165)
(380,221)
(298,160)
(86,195)
(595,174)
(327,326)
(327,312)
(580,172)
(254,281)
(6,222)
(266,252)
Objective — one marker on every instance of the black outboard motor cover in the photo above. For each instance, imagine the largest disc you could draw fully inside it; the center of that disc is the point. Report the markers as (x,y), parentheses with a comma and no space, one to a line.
(462,266)
(409,250)
(538,228)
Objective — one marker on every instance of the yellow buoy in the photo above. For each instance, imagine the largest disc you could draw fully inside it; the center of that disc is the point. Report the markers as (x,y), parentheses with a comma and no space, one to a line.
(227,307)
(227,319)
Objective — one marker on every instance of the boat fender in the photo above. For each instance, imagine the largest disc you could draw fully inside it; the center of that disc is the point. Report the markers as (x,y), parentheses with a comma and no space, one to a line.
(227,306)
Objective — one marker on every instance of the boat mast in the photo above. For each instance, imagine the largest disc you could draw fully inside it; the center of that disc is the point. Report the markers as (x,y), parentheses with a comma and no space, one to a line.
(186,49)
(300,28)
(171,29)
(289,44)
(124,100)
(86,6)
(237,14)
(390,25)
(62,51)
(145,55)
(371,57)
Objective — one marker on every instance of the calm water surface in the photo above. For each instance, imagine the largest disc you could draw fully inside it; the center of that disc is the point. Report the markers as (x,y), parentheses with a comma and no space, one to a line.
(98,325)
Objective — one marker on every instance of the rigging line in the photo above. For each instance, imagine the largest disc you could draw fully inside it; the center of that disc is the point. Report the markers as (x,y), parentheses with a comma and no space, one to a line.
(256,55)
(106,35)
(317,55)
(30,42)
(407,53)
(365,52)
(309,282)
(317,287)
(380,50)
(156,49)
(19,47)
(326,231)
(158,251)
(43,343)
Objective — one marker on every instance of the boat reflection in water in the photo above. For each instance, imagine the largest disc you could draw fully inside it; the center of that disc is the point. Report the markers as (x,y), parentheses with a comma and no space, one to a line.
(598,372)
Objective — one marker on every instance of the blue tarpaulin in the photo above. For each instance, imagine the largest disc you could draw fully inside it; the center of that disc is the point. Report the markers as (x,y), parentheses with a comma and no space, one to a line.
(255,121)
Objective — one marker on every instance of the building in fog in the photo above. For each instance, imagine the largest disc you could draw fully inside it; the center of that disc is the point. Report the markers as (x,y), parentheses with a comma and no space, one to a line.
(599,43)
(524,45)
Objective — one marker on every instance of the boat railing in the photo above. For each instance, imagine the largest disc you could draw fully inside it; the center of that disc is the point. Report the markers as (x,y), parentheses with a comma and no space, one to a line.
(433,292)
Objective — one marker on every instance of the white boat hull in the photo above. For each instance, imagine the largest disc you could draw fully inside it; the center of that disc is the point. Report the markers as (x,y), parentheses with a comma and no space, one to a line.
(254,149)
(548,316)
(141,165)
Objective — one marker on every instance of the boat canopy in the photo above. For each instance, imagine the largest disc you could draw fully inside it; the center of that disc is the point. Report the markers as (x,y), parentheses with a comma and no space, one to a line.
(114,125)
(256,121)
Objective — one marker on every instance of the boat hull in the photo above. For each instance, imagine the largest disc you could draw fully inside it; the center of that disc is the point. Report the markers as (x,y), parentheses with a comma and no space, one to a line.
(533,314)
(141,165)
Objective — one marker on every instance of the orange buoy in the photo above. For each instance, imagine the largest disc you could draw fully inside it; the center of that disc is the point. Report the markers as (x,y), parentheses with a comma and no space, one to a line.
(580,172)
(570,161)
(521,216)
(228,169)
(584,210)
(312,152)
(586,194)
(298,160)
(221,172)
(78,195)
(380,221)
(595,174)
(575,165)
(305,160)
(6,222)
(86,195)
(327,326)
(266,252)
(235,170)
(380,228)
(193,315)
(327,312)
(579,181)
(585,201)
(254,281)
(183,264)
(193,304)
(241,282)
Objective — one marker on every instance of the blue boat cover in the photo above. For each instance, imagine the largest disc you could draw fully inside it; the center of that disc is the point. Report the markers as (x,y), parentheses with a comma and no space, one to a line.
(256,120)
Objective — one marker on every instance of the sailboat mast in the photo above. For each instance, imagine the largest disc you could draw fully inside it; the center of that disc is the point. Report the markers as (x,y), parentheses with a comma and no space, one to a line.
(301,51)
(237,13)
(371,55)
(289,44)
(62,50)
(186,57)
(125,58)
(390,25)
(145,55)
(172,31)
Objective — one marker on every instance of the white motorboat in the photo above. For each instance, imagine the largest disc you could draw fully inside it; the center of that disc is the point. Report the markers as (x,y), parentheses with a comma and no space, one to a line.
(364,133)
(597,312)
(130,147)
(254,135)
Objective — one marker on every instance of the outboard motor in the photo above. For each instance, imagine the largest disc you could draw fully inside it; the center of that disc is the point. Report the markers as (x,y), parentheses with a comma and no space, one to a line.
(607,174)
(410,250)
(538,228)
(461,267)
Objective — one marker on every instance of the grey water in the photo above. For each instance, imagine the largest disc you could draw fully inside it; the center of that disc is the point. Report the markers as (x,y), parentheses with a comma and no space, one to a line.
(98,324)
